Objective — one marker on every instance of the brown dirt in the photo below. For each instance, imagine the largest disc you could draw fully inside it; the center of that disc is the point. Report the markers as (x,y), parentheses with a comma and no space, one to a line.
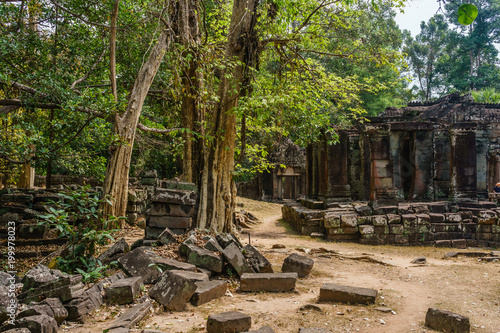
(461,285)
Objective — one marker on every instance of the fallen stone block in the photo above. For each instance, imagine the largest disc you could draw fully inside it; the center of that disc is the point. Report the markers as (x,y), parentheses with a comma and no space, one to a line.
(224,239)
(201,257)
(258,262)
(119,330)
(114,252)
(138,263)
(345,294)
(274,282)
(5,304)
(298,264)
(175,288)
(132,316)
(229,322)
(91,299)
(167,264)
(446,321)
(213,245)
(233,255)
(207,291)
(32,231)
(51,307)
(167,237)
(124,291)
(41,282)
(35,324)
(18,330)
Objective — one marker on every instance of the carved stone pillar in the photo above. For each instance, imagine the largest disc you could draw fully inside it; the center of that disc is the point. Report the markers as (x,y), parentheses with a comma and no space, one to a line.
(337,174)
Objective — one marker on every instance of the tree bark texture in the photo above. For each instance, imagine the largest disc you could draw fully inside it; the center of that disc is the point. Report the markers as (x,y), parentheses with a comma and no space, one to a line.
(187,30)
(218,190)
(117,172)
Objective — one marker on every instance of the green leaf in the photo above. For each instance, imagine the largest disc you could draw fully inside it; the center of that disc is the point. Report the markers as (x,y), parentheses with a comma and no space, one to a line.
(467,13)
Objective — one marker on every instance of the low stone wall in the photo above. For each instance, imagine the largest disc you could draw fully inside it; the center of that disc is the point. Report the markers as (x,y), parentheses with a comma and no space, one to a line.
(443,224)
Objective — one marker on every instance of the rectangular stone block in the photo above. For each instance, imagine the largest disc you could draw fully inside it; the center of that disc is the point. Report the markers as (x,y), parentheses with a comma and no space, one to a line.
(393,218)
(207,291)
(274,282)
(161,209)
(348,220)
(453,217)
(332,220)
(437,218)
(124,291)
(345,294)
(178,197)
(171,222)
(446,321)
(379,220)
(397,229)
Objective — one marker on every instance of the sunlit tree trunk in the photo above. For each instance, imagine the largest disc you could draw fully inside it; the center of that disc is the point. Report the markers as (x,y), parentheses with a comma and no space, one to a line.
(117,172)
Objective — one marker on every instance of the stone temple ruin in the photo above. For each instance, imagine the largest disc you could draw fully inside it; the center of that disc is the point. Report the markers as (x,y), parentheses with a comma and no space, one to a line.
(419,174)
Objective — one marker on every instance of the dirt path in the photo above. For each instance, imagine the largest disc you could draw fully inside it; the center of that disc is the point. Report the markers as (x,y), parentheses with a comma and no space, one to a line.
(463,285)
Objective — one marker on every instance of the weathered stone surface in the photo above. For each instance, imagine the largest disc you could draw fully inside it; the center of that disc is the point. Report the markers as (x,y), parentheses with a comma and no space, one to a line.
(172,222)
(298,264)
(201,257)
(332,220)
(117,248)
(213,245)
(228,322)
(161,209)
(32,231)
(314,330)
(173,185)
(18,330)
(207,291)
(124,291)
(36,324)
(233,255)
(178,197)
(5,304)
(263,329)
(167,264)
(92,298)
(419,261)
(175,288)
(274,282)
(138,263)
(225,239)
(259,263)
(42,282)
(345,294)
(446,321)
(167,237)
(51,307)
(132,316)
(379,220)
(393,218)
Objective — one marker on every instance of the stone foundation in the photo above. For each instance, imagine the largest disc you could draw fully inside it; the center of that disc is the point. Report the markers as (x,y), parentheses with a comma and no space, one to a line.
(444,224)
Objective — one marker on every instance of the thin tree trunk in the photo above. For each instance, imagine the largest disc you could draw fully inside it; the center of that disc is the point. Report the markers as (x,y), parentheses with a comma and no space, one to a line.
(112,49)
(117,172)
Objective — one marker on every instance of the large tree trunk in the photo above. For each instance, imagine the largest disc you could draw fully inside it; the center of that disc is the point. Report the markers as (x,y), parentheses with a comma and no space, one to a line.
(117,172)
(218,191)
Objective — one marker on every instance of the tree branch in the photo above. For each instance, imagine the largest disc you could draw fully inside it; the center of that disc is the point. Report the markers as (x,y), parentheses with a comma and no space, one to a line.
(156,130)
(73,85)
(323,4)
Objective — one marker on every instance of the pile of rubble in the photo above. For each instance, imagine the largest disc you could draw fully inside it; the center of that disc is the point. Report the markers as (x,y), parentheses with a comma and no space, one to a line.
(195,273)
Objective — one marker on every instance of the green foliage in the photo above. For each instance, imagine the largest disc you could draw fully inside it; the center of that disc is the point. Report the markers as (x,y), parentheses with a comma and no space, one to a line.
(467,13)
(488,95)
(76,217)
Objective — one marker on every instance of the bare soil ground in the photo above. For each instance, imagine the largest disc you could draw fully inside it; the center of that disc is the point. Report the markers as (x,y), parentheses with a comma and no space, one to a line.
(462,285)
